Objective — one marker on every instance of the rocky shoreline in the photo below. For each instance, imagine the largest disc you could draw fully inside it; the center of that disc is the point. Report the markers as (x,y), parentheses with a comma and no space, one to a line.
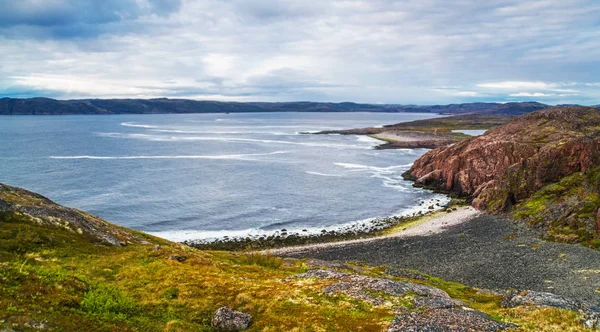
(371,229)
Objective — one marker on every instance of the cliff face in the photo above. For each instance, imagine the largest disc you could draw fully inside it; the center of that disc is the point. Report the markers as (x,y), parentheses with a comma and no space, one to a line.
(511,162)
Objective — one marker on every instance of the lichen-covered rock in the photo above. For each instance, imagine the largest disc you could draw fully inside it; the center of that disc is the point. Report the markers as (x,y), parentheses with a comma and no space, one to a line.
(435,309)
(352,284)
(446,320)
(228,319)
(518,298)
(591,318)
(45,212)
(178,258)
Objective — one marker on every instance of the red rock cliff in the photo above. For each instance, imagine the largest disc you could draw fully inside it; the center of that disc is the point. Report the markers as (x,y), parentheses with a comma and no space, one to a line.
(509,163)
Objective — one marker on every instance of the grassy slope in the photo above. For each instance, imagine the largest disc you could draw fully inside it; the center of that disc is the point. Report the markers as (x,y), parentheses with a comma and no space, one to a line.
(61,279)
(566,208)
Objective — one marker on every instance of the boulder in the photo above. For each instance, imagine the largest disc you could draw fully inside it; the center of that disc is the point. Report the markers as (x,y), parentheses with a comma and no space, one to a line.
(178,258)
(228,319)
(518,298)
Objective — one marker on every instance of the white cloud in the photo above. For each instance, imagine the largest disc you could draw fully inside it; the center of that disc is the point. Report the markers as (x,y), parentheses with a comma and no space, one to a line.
(359,50)
(516,85)
(529,94)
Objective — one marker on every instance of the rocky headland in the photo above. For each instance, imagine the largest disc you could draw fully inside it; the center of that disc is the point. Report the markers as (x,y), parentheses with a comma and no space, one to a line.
(541,167)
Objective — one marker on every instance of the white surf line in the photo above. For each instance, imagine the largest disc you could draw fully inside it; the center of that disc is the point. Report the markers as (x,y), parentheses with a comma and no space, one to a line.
(427,225)
(226,156)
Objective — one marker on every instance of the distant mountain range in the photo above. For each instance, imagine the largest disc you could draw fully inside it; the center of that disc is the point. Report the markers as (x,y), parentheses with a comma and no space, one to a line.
(47,106)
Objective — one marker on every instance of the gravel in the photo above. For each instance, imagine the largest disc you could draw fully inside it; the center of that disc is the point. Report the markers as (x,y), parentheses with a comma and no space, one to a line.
(484,251)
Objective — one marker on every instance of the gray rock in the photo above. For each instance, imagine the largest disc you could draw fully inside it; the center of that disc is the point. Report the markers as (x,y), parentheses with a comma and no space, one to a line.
(591,318)
(227,319)
(178,258)
(446,320)
(352,282)
(517,298)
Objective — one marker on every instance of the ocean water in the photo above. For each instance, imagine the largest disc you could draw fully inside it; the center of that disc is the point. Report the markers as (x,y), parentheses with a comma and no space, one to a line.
(206,176)
(471,132)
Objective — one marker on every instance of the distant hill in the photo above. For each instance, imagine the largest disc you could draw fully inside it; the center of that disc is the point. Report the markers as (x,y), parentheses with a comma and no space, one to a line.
(48,106)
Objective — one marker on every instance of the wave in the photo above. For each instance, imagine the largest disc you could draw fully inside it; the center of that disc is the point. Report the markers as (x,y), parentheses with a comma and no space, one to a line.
(164,138)
(366,167)
(391,176)
(131,124)
(368,139)
(226,156)
(350,226)
(323,174)
(176,131)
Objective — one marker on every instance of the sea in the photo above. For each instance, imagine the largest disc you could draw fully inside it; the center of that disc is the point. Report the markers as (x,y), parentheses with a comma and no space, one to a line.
(202,177)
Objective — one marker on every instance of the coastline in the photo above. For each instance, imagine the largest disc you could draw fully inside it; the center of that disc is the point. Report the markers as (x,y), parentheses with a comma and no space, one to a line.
(427,133)
(429,224)
(373,228)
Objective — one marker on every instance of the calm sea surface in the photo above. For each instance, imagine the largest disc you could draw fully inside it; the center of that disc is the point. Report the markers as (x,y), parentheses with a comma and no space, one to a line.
(204,176)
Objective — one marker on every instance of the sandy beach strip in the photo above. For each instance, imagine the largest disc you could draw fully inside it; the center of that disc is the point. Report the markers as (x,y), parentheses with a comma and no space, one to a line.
(428,225)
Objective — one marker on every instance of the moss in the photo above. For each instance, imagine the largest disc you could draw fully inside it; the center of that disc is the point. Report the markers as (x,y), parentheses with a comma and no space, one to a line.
(74,284)
(566,209)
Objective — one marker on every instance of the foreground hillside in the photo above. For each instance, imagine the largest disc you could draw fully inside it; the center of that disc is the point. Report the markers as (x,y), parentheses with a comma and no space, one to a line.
(65,270)
(48,106)
(543,167)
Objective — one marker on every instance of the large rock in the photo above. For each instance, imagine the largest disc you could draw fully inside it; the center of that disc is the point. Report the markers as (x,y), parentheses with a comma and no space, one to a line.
(446,320)
(518,298)
(433,309)
(510,162)
(227,319)
(591,313)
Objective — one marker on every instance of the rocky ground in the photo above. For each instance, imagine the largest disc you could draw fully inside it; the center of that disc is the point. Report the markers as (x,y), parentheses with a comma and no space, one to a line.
(486,252)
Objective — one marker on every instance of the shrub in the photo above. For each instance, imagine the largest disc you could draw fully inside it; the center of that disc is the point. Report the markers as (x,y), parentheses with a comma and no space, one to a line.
(171,293)
(264,260)
(108,301)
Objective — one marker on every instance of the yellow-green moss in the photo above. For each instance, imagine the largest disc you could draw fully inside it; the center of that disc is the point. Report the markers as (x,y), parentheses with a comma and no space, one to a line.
(69,283)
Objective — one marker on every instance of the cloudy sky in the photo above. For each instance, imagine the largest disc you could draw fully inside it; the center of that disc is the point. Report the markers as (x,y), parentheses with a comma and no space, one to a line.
(376,51)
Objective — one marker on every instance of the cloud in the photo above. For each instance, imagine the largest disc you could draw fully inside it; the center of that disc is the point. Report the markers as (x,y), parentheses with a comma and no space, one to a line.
(409,51)
(511,85)
(77,18)
(529,94)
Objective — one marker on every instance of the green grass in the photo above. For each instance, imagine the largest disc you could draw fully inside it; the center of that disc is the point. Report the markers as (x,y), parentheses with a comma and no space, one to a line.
(63,280)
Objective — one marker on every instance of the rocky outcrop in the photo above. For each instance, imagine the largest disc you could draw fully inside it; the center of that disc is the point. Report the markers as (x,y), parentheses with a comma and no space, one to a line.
(45,212)
(509,163)
(446,320)
(228,319)
(591,313)
(431,309)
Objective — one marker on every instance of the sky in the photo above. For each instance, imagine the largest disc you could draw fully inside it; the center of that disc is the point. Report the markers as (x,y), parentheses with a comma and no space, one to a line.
(369,51)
